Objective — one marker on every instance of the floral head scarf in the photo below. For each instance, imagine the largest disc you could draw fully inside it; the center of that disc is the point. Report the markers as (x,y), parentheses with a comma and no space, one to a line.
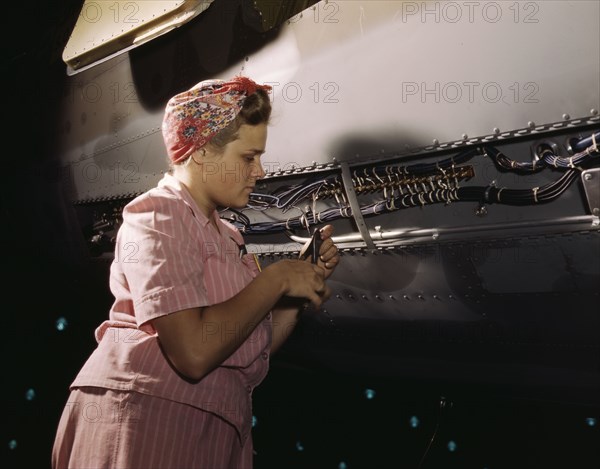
(192,118)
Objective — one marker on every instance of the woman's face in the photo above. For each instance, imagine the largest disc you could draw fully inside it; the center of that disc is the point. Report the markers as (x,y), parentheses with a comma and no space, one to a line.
(228,177)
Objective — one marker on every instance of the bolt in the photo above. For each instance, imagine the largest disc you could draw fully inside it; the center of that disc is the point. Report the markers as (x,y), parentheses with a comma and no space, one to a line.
(588,177)
(481,211)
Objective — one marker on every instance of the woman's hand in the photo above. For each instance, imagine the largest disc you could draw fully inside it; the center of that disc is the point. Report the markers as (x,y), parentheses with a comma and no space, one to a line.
(300,279)
(329,257)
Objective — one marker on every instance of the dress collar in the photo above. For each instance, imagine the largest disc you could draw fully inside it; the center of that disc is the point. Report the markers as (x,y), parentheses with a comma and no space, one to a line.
(174,185)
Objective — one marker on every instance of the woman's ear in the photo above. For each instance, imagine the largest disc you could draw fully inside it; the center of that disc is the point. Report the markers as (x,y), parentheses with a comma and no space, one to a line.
(201,153)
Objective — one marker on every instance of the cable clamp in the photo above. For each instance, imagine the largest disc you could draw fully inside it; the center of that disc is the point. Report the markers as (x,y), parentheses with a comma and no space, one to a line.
(486,194)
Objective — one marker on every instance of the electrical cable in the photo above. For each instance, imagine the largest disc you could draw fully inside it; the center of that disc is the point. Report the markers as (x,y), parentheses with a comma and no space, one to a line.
(423,183)
(443,405)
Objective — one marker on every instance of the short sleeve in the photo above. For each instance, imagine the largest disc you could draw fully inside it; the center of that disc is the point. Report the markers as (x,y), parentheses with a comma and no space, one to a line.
(158,250)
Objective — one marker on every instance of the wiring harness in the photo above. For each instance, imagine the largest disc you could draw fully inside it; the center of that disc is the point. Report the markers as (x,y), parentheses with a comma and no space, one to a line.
(415,185)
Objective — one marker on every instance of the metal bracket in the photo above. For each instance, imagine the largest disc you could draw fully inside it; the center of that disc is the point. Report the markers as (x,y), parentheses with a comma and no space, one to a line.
(591,186)
(354,205)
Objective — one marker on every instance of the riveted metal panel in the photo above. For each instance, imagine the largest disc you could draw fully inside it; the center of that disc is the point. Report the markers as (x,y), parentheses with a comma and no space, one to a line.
(352,81)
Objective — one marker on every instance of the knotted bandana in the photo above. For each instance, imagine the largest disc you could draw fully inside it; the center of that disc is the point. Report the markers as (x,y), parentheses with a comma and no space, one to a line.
(192,118)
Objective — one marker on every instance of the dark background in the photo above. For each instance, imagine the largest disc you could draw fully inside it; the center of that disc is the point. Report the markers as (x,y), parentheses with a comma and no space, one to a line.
(304,417)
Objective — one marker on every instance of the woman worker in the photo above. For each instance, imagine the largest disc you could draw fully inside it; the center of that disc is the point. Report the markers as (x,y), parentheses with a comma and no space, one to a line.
(194,320)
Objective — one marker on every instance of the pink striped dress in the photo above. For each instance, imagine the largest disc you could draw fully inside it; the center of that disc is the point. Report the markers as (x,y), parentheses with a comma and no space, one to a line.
(128,408)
